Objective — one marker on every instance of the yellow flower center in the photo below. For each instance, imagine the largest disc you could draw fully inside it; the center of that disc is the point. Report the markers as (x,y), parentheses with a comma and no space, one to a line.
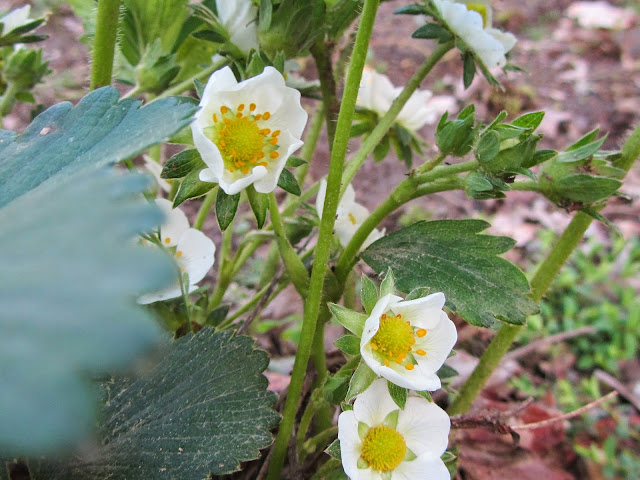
(383,448)
(240,140)
(481,8)
(394,340)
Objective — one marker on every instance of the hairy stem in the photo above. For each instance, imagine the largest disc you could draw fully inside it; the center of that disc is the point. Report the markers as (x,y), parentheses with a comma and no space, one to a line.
(312,307)
(384,124)
(540,283)
(104,44)
(207,203)
(321,53)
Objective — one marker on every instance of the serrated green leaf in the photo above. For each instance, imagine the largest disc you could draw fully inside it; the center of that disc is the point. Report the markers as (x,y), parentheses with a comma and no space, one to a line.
(65,310)
(585,188)
(388,285)
(381,150)
(426,395)
(191,187)
(449,256)
(199,87)
(334,449)
(203,409)
(265,14)
(335,388)
(368,294)
(360,381)
(433,30)
(96,132)
(259,204)
(226,207)
(604,220)
(586,139)
(398,394)
(529,120)
(352,321)
(287,181)
(182,164)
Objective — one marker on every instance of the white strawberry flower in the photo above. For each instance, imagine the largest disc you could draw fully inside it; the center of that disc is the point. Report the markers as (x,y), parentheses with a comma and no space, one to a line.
(380,441)
(15,18)
(349,216)
(246,131)
(192,250)
(471,22)
(407,342)
(239,18)
(377,93)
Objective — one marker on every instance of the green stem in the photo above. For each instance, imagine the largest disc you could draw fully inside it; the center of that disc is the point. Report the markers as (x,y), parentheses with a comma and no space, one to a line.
(8,99)
(407,190)
(322,55)
(292,263)
(312,307)
(540,283)
(104,44)
(525,186)
(319,442)
(385,122)
(207,203)
(310,142)
(224,270)
(188,83)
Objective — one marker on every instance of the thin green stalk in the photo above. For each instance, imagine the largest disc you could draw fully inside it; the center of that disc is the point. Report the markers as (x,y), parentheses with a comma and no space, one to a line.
(292,263)
(405,191)
(104,44)
(8,99)
(384,124)
(319,442)
(310,142)
(540,283)
(321,54)
(312,307)
(188,83)
(224,269)
(207,203)
(525,186)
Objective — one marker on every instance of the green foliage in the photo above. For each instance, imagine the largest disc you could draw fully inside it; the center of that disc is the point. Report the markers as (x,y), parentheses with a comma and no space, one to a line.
(67,311)
(97,132)
(449,256)
(203,409)
(591,291)
(457,137)
(226,207)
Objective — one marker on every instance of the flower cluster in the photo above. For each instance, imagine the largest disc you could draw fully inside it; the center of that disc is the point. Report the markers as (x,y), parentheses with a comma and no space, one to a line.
(404,342)
(471,22)
(246,131)
(349,216)
(192,250)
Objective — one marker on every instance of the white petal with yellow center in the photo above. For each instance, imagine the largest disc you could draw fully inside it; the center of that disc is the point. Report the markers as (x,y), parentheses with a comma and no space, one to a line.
(246,131)
(422,428)
(408,342)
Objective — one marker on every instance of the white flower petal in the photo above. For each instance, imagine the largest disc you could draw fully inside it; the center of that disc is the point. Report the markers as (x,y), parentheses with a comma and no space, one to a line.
(438,343)
(168,293)
(374,404)
(15,18)
(422,468)
(207,175)
(155,169)
(422,312)
(419,417)
(175,224)
(239,19)
(489,46)
(350,443)
(196,255)
(268,93)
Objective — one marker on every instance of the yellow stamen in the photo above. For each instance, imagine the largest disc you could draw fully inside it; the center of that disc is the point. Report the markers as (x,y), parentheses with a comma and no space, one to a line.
(224,109)
(266,116)
(274,154)
(167,240)
(421,352)
(240,107)
(276,133)
(421,332)
(179,253)
(409,366)
(252,107)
